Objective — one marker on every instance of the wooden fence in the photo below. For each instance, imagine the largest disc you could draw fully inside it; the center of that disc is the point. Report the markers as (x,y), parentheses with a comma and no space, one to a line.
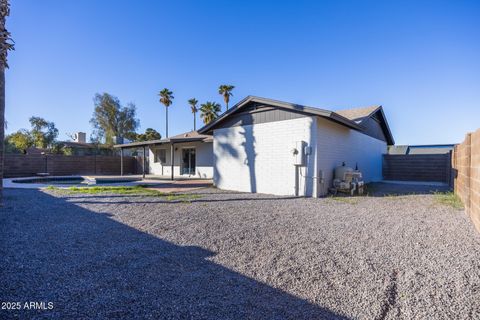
(466,164)
(19,165)
(418,167)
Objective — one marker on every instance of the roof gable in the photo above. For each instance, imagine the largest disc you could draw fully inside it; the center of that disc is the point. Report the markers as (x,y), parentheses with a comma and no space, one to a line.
(366,117)
(359,119)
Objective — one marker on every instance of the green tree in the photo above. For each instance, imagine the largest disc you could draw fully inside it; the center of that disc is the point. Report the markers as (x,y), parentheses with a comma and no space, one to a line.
(6,44)
(150,134)
(43,132)
(20,140)
(166,97)
(193,107)
(209,111)
(226,92)
(111,119)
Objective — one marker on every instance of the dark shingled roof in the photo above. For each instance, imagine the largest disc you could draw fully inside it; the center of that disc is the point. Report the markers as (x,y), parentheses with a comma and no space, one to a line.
(358,114)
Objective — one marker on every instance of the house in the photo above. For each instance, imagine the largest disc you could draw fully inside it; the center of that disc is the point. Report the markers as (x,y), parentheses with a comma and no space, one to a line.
(84,149)
(187,155)
(268,146)
(80,147)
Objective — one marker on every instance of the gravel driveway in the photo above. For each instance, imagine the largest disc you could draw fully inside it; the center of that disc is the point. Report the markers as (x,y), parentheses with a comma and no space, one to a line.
(229,255)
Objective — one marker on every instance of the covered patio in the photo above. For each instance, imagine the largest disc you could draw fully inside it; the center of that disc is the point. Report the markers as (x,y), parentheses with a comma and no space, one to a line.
(170,144)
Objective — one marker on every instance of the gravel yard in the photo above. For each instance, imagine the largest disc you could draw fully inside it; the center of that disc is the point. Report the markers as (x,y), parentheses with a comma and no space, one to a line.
(227,255)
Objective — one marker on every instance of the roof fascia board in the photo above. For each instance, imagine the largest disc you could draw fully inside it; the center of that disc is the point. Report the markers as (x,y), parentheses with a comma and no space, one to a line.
(285,105)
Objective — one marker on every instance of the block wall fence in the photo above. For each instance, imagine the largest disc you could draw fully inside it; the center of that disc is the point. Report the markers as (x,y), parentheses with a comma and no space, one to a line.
(19,165)
(466,165)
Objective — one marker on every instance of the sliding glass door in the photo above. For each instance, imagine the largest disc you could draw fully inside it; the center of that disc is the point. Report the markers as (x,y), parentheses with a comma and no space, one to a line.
(188,161)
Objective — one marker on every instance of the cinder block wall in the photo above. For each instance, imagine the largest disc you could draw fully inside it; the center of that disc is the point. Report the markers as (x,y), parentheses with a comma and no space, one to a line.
(28,165)
(259,158)
(466,162)
(475,179)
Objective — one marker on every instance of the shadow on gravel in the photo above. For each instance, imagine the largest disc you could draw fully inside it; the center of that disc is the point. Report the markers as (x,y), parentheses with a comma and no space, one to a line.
(91,266)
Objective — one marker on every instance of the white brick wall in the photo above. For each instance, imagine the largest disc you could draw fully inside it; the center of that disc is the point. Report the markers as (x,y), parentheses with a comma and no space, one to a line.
(204,160)
(337,143)
(259,158)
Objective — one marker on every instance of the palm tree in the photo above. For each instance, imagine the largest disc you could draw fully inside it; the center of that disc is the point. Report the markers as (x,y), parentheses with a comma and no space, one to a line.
(5,45)
(166,97)
(209,111)
(226,91)
(193,106)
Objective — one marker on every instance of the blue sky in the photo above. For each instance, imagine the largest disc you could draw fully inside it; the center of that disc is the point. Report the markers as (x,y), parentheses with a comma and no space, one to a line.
(419,59)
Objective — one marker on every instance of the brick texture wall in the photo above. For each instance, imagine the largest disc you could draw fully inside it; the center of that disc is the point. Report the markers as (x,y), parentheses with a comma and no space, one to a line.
(259,158)
(19,165)
(417,167)
(466,163)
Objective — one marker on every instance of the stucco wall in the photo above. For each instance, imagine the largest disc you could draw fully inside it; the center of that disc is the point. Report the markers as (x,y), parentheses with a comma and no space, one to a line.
(204,160)
(259,158)
(337,143)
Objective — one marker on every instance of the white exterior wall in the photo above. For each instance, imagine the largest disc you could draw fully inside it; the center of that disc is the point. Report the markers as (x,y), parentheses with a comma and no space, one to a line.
(337,143)
(259,158)
(203,155)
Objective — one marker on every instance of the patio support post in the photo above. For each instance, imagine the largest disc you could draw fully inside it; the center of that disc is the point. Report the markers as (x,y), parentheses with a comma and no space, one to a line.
(172,150)
(121,161)
(144,161)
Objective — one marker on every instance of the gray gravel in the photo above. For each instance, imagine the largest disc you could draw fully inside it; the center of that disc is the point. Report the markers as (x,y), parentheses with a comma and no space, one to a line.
(229,255)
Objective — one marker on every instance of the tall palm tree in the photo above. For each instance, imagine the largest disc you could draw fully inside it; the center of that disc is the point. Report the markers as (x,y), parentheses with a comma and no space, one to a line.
(193,106)
(226,92)
(5,45)
(166,97)
(209,111)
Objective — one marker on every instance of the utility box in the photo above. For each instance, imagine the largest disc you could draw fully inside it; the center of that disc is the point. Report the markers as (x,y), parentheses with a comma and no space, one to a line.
(299,153)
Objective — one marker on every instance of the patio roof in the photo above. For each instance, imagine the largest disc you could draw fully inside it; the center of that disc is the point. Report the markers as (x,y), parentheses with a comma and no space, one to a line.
(191,136)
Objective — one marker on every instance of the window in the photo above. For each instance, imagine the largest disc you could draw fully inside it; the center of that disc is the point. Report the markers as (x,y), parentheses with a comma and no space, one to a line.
(160,156)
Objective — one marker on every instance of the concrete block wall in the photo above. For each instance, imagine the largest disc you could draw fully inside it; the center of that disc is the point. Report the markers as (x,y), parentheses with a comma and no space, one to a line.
(336,144)
(418,167)
(20,165)
(475,179)
(259,158)
(466,163)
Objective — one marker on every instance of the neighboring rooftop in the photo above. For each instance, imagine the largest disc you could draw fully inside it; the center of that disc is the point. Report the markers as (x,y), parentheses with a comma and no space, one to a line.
(421,149)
